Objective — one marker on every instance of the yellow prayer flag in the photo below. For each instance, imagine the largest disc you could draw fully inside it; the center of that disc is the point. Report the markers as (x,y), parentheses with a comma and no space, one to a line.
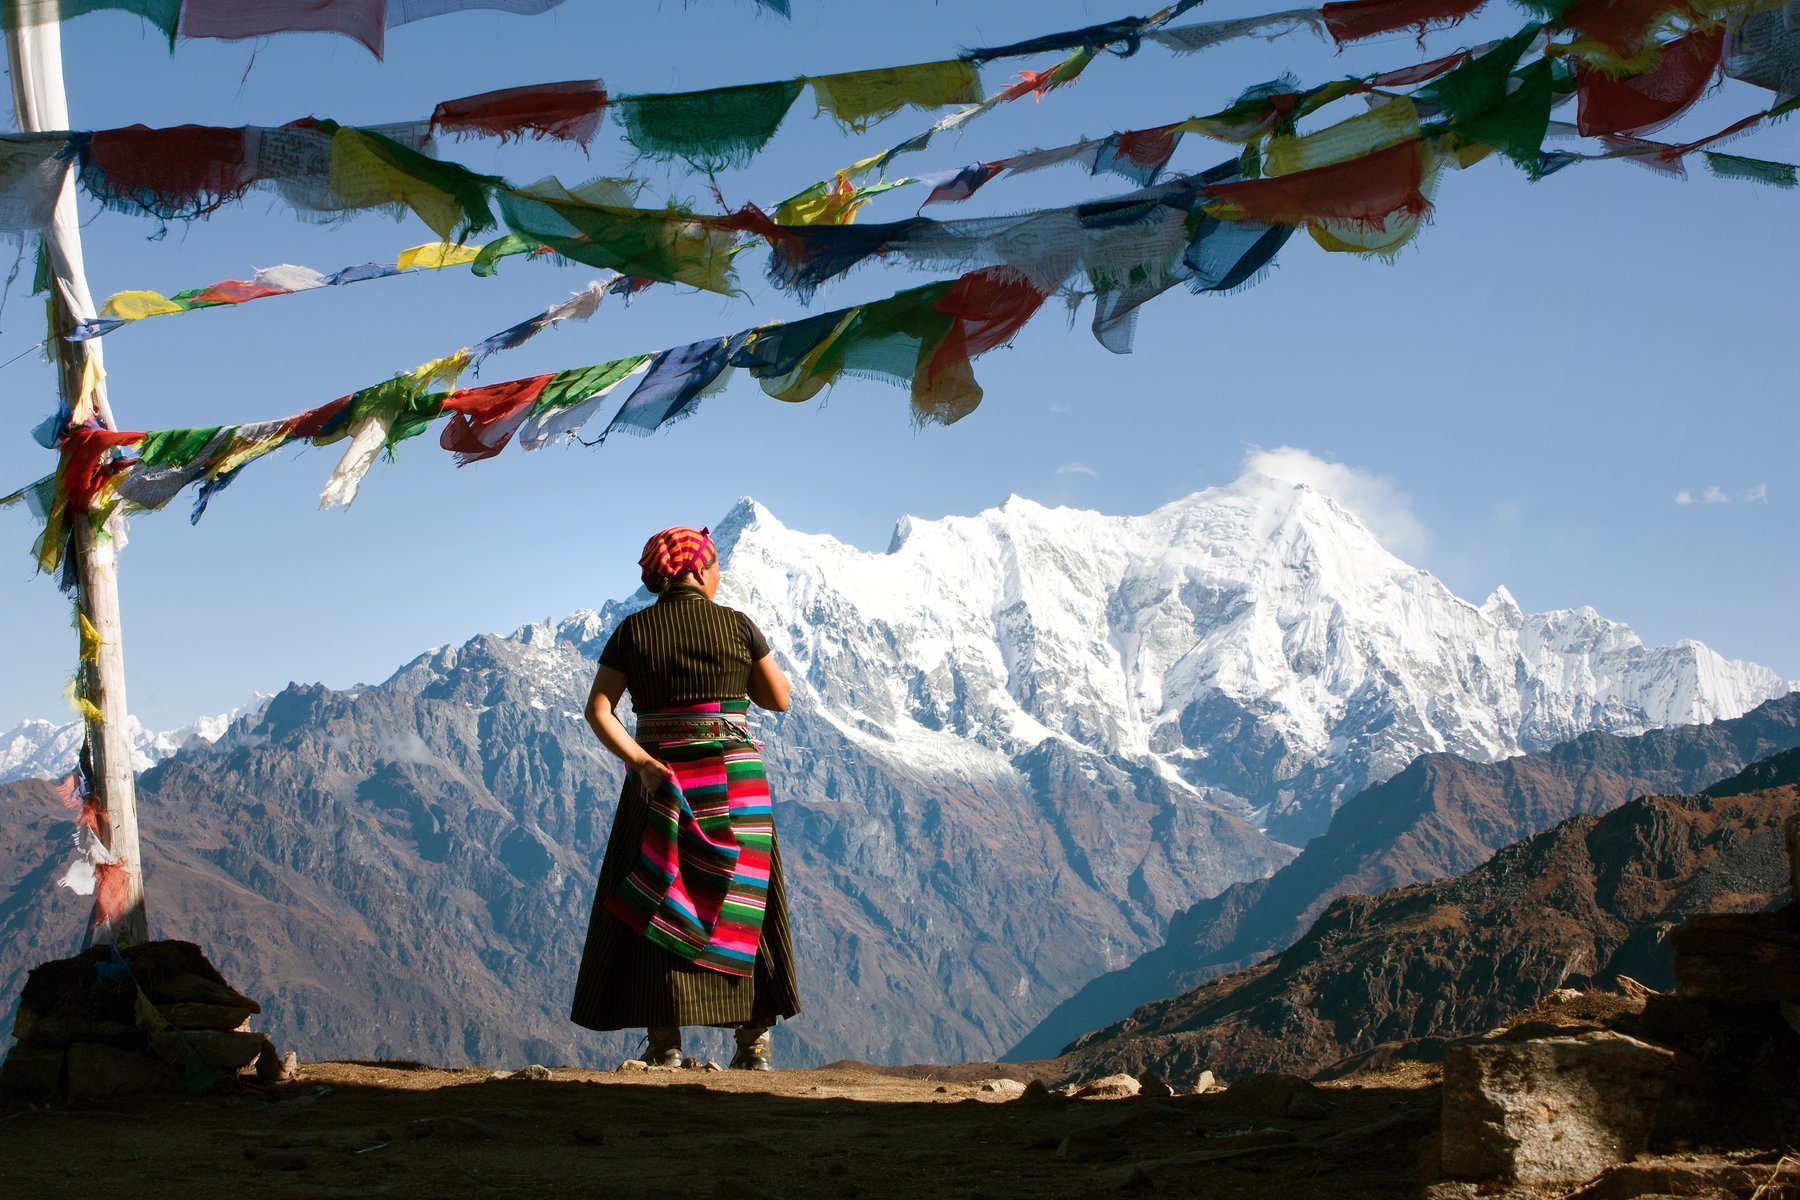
(135,306)
(859,98)
(1381,127)
(90,637)
(435,255)
(361,178)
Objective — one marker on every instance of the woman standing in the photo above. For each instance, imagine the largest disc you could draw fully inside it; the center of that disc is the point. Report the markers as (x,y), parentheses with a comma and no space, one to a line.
(690,917)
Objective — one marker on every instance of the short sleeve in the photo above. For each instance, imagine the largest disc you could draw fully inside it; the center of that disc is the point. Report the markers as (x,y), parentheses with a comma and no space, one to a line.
(754,641)
(616,650)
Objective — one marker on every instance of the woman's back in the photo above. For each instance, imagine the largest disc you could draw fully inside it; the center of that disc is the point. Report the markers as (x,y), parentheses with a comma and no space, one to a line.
(684,649)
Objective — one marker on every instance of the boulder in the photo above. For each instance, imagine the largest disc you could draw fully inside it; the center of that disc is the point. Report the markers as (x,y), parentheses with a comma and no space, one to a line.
(1550,1110)
(99,1072)
(1113,1087)
(32,1073)
(222,1048)
(1739,958)
(190,1015)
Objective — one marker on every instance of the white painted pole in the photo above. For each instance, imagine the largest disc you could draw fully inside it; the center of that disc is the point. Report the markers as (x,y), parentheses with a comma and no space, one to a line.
(34,54)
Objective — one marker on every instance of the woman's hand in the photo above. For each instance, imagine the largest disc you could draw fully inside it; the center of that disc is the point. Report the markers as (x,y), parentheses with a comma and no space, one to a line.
(651,775)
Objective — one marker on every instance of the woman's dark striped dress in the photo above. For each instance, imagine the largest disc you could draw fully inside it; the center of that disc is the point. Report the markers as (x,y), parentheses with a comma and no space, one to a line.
(683,650)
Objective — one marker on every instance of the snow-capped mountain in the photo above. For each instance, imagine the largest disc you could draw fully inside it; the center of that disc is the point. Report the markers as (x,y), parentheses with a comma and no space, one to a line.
(1254,645)
(38,749)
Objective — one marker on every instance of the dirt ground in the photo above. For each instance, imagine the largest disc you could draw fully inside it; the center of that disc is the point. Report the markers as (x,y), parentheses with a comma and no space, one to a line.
(848,1130)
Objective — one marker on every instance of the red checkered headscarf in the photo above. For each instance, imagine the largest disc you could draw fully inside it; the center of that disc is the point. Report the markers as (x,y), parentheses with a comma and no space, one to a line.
(674,551)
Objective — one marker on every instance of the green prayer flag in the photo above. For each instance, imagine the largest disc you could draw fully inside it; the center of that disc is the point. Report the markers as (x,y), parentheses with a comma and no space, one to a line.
(712,129)
(1480,84)
(175,447)
(567,388)
(1757,170)
(669,246)
(161,13)
(1517,124)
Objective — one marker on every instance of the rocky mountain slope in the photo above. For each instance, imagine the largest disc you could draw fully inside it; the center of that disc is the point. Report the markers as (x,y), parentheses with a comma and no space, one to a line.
(1021,742)
(1583,903)
(1438,818)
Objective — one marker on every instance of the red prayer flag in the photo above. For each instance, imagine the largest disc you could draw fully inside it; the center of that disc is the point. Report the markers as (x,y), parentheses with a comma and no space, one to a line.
(1645,102)
(189,169)
(570,111)
(483,419)
(235,20)
(1365,190)
(112,892)
(236,291)
(1622,26)
(1356,19)
(990,307)
(87,463)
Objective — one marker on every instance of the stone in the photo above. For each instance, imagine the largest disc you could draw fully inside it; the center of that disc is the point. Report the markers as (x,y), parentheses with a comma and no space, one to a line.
(1099,1144)
(100,1072)
(222,1048)
(188,1014)
(1112,1087)
(1152,1084)
(1004,1087)
(1130,1178)
(274,1067)
(32,1073)
(1036,1092)
(1739,958)
(1276,1096)
(36,1028)
(536,1072)
(634,1064)
(1553,1110)
(1204,1082)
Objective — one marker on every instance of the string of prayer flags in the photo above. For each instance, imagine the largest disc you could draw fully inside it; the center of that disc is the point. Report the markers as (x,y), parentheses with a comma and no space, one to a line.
(286,279)
(569,112)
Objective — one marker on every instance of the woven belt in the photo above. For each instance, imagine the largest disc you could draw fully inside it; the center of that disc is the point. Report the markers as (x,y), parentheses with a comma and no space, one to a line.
(682,729)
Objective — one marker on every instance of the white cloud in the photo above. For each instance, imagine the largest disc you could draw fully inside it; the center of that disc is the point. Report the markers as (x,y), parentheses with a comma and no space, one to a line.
(1373,499)
(1076,469)
(1715,494)
(407,747)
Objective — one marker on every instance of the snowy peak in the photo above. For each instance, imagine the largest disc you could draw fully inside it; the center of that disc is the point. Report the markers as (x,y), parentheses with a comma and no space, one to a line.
(42,750)
(1254,644)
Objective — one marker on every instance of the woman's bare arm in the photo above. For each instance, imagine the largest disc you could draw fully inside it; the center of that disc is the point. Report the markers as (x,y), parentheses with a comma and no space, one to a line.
(768,686)
(603,719)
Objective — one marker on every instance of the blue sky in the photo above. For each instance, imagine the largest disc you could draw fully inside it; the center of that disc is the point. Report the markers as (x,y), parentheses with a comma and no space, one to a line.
(1524,398)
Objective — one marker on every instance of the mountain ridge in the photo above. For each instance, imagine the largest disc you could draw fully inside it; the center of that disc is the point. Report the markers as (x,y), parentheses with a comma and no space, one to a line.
(1440,817)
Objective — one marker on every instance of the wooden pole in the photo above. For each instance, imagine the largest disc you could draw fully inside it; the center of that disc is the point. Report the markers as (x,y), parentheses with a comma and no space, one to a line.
(34,54)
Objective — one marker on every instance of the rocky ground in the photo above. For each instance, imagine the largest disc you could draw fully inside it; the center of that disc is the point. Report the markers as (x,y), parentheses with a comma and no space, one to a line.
(844,1131)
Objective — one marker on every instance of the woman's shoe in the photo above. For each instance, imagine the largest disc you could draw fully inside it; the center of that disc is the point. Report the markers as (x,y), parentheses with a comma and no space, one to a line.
(753,1044)
(664,1048)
